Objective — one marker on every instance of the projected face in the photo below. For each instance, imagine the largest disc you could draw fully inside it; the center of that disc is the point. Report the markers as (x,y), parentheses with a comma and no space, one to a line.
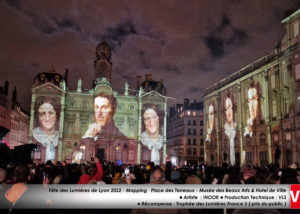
(103,111)
(252,102)
(151,136)
(46,113)
(47,117)
(211,117)
(151,121)
(228,110)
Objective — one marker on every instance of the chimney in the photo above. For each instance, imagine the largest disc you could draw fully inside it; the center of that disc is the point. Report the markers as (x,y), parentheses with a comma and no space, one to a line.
(138,81)
(148,77)
(14,95)
(6,87)
(66,76)
(186,102)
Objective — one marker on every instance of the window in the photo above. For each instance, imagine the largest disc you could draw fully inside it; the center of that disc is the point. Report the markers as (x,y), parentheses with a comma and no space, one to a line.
(248,140)
(274,108)
(288,156)
(72,103)
(201,122)
(194,142)
(189,113)
(275,137)
(249,158)
(273,81)
(201,132)
(189,151)
(263,158)
(296,29)
(194,113)
(286,106)
(284,75)
(201,142)
(212,157)
(189,122)
(194,131)
(297,72)
(195,151)
(298,101)
(225,156)
(262,138)
(131,107)
(189,131)
(288,136)
(120,107)
(194,122)
(201,151)
(236,142)
(189,141)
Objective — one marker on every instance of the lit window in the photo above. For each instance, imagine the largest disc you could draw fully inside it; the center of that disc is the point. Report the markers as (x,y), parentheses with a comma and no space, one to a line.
(189,113)
(194,113)
(296,29)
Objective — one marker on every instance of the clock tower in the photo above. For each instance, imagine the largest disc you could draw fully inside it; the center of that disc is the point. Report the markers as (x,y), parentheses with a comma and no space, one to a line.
(102,62)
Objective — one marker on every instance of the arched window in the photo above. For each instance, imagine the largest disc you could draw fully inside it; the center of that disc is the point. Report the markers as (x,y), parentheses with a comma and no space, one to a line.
(248,140)
(262,138)
(236,142)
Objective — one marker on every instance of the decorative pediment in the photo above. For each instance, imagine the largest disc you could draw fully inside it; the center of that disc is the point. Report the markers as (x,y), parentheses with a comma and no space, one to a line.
(48,88)
(152,94)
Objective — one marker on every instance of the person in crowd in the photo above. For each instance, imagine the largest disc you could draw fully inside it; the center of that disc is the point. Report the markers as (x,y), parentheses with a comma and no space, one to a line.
(89,173)
(46,132)
(19,188)
(151,136)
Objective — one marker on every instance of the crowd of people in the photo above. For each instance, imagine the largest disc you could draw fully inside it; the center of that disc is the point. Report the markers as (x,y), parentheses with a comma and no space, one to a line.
(95,172)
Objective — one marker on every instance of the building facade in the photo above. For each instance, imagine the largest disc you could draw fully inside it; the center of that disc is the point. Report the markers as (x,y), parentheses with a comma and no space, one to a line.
(4,111)
(13,118)
(253,116)
(185,133)
(76,114)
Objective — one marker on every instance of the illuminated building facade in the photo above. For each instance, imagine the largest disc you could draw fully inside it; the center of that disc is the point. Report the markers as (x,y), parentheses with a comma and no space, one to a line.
(13,118)
(186,133)
(82,127)
(253,116)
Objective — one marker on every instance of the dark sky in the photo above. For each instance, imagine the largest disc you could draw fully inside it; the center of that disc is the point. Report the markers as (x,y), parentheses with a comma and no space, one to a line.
(189,44)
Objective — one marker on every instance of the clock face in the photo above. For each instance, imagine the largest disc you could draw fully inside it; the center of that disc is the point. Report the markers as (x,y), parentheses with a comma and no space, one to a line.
(42,77)
(57,78)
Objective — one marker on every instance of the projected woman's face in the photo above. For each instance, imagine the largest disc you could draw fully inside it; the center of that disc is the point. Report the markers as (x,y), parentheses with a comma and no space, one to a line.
(47,116)
(211,116)
(252,102)
(151,121)
(228,110)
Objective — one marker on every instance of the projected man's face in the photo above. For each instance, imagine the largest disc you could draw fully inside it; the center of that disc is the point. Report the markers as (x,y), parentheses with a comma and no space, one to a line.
(151,121)
(47,117)
(211,116)
(103,111)
(228,110)
(252,102)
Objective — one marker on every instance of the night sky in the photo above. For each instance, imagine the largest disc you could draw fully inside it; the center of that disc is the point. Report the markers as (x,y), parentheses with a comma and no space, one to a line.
(189,44)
